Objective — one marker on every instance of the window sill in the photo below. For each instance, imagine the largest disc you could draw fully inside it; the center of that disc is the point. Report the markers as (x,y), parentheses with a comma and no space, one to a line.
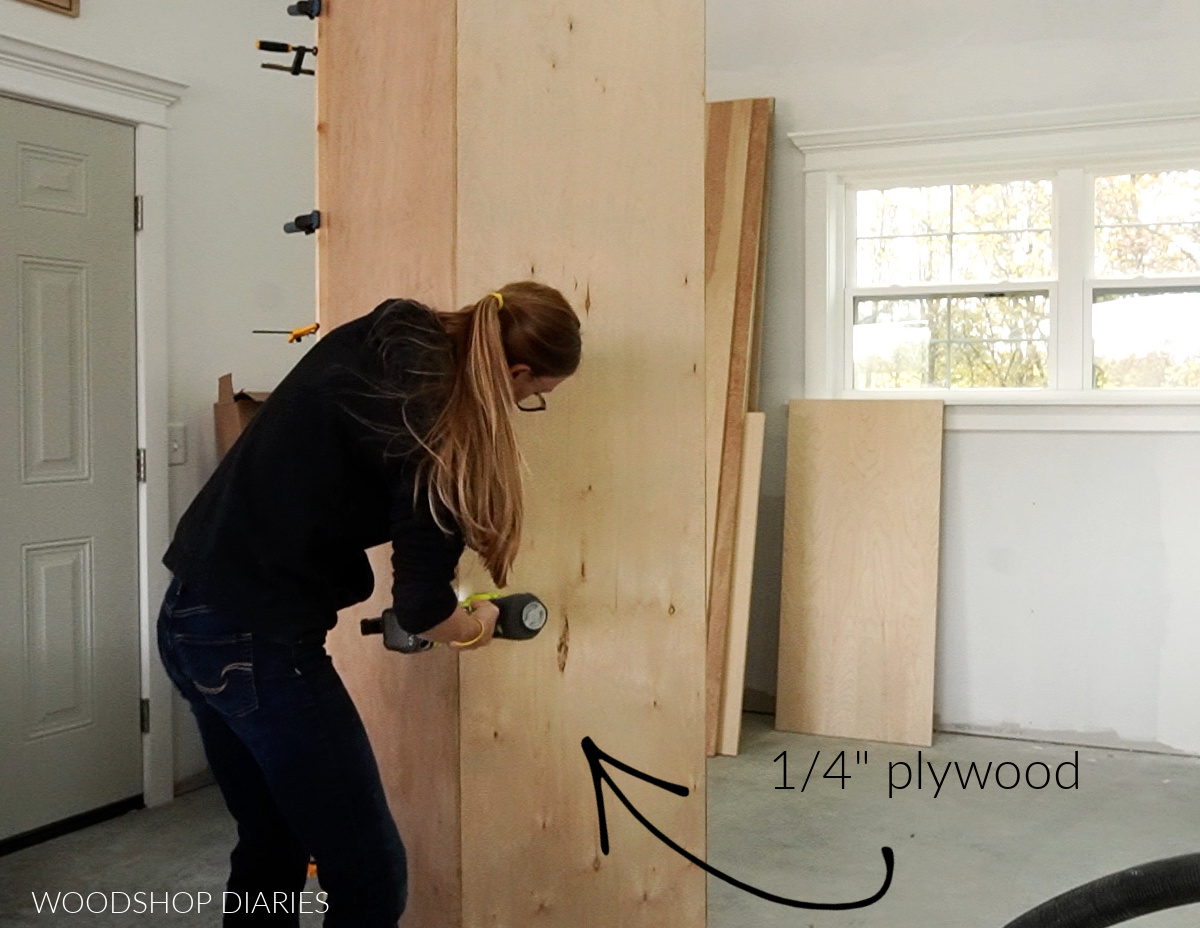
(1046,411)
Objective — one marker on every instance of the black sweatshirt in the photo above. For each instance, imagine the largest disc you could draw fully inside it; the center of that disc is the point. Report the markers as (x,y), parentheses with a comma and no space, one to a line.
(324,470)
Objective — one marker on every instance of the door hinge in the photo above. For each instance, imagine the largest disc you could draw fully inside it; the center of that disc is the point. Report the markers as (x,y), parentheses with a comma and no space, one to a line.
(141,465)
(145,716)
(139,213)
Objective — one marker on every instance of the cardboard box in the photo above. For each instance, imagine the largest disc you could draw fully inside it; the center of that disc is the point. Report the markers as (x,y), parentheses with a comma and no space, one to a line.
(233,411)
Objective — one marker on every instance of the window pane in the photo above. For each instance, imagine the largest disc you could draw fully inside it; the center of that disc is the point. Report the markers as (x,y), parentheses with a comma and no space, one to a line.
(994,341)
(893,341)
(1148,225)
(999,341)
(1014,206)
(903,261)
(1146,339)
(966,233)
(1148,251)
(903,211)
(1002,317)
(998,364)
(1000,256)
(1128,199)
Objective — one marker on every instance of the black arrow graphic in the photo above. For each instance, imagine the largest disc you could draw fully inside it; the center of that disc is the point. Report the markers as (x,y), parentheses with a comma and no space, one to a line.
(594,755)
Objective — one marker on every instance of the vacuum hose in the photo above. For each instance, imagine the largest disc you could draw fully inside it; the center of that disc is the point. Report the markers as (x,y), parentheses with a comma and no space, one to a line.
(1120,896)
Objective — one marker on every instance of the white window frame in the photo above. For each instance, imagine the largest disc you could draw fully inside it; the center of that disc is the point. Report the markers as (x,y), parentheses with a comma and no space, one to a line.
(1069,148)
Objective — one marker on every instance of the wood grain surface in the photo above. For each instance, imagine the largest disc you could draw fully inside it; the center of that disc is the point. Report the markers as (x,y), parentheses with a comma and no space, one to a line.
(734,678)
(860,569)
(581,163)
(728,147)
(386,145)
(462,147)
(739,134)
(386,185)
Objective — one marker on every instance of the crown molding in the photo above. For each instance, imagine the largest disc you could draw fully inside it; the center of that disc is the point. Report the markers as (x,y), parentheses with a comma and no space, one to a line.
(1163,128)
(73,81)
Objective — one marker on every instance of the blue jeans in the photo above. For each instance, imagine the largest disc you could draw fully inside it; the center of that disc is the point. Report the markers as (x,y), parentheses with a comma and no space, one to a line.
(289,752)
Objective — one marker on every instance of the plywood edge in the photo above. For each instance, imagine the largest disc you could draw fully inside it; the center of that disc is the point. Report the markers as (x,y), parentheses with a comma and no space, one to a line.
(737,395)
(753,375)
(734,677)
(727,148)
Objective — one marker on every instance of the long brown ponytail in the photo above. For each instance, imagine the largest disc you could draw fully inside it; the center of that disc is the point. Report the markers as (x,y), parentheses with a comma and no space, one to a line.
(474,469)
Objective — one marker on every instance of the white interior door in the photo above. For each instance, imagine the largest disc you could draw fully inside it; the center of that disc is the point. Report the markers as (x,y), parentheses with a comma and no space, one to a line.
(70,734)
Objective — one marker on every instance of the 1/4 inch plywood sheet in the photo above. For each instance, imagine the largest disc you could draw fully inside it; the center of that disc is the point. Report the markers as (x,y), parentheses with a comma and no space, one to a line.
(581,163)
(860,569)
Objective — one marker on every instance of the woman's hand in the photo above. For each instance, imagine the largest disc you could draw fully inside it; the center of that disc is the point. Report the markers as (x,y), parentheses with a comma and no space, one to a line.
(476,626)
(486,613)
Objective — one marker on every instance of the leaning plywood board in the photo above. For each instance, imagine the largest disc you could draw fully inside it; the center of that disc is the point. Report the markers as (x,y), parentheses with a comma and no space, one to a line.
(726,153)
(738,146)
(734,677)
(386,186)
(860,569)
(581,163)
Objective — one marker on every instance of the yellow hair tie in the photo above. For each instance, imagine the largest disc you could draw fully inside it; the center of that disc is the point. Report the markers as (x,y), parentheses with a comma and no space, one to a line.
(499,297)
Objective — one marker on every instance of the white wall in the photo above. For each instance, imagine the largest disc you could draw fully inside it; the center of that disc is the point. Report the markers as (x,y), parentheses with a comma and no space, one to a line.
(1113,640)
(241,163)
(1070,579)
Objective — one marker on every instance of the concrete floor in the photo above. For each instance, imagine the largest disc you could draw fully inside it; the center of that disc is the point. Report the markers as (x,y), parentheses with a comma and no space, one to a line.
(182,847)
(963,858)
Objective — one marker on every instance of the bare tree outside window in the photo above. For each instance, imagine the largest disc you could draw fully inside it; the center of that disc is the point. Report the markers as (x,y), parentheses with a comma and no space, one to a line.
(1148,231)
(990,247)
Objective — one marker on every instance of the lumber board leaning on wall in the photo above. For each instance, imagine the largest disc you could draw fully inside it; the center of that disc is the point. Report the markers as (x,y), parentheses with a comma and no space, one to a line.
(726,152)
(734,677)
(737,156)
(860,569)
(386,137)
(584,167)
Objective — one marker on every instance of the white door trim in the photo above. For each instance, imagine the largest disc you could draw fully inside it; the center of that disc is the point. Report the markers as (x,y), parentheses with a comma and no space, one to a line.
(47,75)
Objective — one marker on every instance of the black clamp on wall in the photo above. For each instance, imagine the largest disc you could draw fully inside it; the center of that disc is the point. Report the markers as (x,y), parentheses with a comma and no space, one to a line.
(307,223)
(309,8)
(297,65)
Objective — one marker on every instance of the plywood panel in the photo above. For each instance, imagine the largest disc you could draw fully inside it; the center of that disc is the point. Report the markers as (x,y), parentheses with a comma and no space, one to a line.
(581,163)
(734,677)
(386,142)
(386,187)
(734,247)
(860,568)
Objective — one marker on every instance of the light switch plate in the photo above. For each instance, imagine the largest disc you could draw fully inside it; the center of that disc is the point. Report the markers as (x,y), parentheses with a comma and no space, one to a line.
(176,443)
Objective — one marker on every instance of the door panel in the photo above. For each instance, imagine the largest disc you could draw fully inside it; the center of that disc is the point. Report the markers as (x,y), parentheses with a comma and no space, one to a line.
(52,300)
(70,738)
